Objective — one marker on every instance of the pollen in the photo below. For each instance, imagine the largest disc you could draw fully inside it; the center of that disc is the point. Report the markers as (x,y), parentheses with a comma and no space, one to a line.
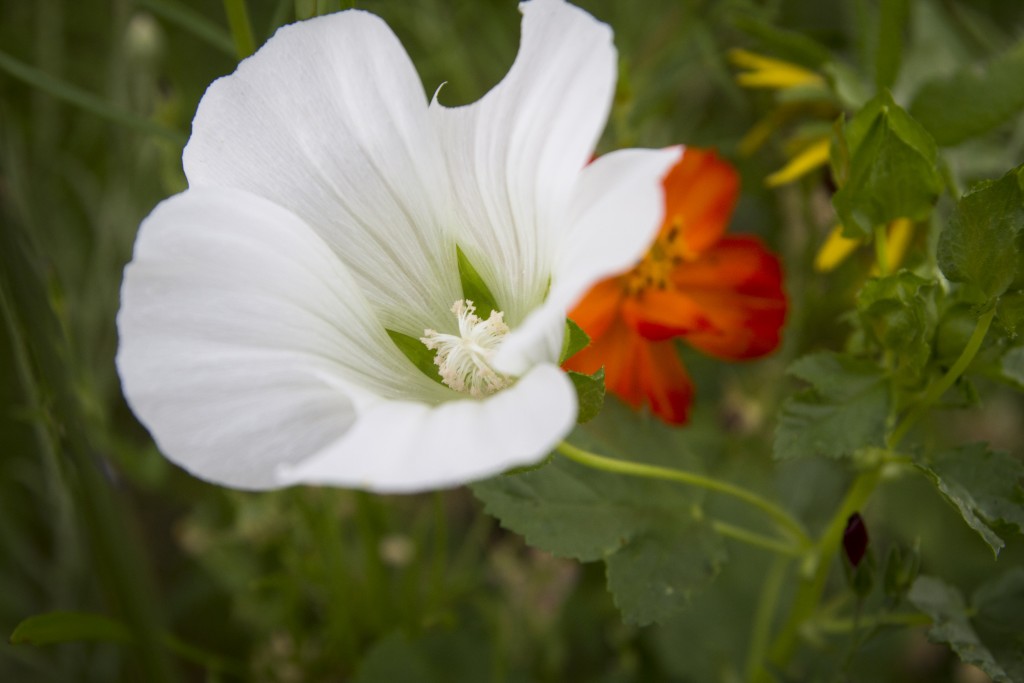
(464,360)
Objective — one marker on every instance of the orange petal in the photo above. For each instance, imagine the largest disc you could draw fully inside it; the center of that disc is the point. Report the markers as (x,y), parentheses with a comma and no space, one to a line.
(700,194)
(729,303)
(599,307)
(639,371)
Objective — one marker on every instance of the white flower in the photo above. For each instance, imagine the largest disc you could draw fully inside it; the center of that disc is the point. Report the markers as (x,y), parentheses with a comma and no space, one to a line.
(327,199)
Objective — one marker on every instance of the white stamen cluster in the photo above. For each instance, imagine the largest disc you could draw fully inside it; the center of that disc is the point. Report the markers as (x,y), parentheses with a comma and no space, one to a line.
(464,361)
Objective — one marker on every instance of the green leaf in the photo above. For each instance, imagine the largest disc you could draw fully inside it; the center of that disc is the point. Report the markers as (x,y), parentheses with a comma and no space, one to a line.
(659,551)
(844,410)
(658,575)
(66,627)
(990,639)
(892,170)
(417,352)
(983,243)
(438,656)
(474,288)
(973,100)
(575,340)
(893,20)
(900,313)
(1010,313)
(984,486)
(590,394)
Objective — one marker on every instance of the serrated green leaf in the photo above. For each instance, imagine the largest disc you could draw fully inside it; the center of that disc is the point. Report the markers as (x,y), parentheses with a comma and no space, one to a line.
(900,313)
(574,511)
(589,393)
(983,485)
(844,410)
(575,340)
(973,100)
(474,288)
(417,352)
(983,243)
(67,627)
(657,575)
(990,639)
(892,169)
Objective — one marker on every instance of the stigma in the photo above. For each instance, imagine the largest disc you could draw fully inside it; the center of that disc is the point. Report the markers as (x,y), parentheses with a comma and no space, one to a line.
(464,361)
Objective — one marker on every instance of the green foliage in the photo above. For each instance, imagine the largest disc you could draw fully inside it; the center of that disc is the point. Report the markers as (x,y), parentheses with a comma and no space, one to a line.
(983,244)
(900,313)
(589,393)
(973,100)
(474,288)
(417,352)
(438,656)
(986,633)
(892,169)
(984,486)
(63,627)
(845,408)
(659,549)
(574,341)
(891,25)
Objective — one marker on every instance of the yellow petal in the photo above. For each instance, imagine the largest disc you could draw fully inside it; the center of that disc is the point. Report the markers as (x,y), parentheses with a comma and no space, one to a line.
(813,156)
(766,72)
(901,231)
(834,251)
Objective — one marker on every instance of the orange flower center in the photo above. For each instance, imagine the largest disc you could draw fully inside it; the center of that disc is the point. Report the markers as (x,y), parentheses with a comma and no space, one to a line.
(655,270)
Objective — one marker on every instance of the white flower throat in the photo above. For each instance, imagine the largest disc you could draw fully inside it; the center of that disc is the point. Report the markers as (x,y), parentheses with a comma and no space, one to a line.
(464,361)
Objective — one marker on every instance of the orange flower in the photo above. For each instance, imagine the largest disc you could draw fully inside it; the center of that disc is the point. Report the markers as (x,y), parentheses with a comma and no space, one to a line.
(722,295)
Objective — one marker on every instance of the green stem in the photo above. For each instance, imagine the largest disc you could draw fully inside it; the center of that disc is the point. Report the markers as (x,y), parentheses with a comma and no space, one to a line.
(936,390)
(241,29)
(755,539)
(785,521)
(882,250)
(841,626)
(811,589)
(763,618)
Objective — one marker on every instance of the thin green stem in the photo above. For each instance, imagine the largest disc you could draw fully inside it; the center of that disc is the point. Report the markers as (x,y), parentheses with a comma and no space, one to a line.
(785,521)
(755,539)
(811,589)
(882,250)
(763,617)
(936,390)
(848,625)
(241,29)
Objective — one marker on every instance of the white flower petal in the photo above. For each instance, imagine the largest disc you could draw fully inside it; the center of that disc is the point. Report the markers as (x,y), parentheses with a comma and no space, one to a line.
(403,447)
(244,342)
(617,207)
(329,119)
(514,155)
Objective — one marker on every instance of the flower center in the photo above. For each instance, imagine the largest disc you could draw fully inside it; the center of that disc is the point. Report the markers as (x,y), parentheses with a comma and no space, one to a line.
(464,360)
(656,269)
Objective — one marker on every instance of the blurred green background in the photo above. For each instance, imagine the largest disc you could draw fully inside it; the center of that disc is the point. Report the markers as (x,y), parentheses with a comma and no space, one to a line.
(327,585)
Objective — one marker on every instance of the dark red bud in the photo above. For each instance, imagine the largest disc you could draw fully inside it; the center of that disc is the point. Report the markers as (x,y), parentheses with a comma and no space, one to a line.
(855,539)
